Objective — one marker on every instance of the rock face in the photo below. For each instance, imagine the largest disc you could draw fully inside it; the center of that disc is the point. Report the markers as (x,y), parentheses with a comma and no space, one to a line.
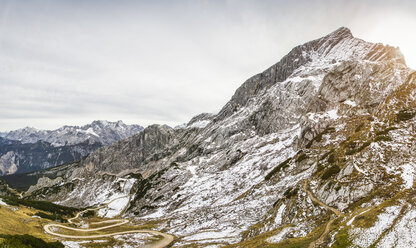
(20,158)
(333,118)
(29,149)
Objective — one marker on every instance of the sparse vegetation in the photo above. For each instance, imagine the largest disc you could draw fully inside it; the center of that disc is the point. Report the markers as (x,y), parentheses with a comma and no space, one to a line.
(341,239)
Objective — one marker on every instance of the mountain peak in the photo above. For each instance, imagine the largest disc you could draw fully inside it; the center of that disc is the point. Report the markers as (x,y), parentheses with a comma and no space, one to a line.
(325,52)
(341,32)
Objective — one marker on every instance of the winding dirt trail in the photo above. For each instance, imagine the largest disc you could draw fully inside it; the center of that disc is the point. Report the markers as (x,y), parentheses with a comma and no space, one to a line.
(338,213)
(165,241)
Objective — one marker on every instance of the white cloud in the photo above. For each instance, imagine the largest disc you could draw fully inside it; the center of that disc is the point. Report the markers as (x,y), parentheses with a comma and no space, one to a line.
(69,62)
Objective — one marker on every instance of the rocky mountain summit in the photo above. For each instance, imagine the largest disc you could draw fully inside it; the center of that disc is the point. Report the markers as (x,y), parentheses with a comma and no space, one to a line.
(316,151)
(29,149)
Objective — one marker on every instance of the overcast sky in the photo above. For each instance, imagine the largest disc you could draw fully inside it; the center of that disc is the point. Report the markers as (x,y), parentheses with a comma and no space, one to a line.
(145,62)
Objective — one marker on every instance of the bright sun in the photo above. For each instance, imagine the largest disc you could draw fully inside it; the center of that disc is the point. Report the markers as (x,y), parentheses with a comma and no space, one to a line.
(397,30)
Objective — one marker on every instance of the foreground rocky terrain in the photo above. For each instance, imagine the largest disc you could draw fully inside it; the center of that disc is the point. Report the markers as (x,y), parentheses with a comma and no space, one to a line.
(316,151)
(29,149)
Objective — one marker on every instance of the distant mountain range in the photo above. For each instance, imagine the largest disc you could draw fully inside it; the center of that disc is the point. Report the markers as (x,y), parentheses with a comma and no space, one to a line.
(29,149)
(104,132)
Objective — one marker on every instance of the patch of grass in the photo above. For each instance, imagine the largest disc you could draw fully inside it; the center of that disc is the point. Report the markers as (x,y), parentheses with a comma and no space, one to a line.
(331,171)
(54,217)
(27,241)
(276,169)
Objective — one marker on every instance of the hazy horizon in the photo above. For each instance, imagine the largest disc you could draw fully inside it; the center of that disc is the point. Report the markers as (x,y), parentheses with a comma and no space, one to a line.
(145,62)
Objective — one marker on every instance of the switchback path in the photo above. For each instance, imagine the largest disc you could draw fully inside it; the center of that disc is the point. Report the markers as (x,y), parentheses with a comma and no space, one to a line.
(167,238)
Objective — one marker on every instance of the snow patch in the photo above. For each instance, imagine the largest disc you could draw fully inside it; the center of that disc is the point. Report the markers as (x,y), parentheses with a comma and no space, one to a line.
(402,234)
(200,124)
(351,103)
(408,175)
(2,203)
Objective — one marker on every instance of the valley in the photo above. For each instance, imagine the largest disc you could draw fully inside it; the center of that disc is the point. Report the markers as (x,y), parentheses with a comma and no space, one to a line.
(92,230)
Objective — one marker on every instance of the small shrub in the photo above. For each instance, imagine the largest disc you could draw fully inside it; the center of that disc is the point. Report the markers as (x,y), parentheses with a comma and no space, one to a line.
(318,137)
(331,171)
(385,131)
(331,158)
(290,192)
(404,115)
(302,157)
(359,149)
(351,151)
(276,169)
(364,145)
(359,127)
(351,144)
(320,167)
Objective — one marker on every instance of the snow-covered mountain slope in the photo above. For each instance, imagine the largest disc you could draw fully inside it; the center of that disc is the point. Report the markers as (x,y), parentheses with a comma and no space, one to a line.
(315,151)
(104,132)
